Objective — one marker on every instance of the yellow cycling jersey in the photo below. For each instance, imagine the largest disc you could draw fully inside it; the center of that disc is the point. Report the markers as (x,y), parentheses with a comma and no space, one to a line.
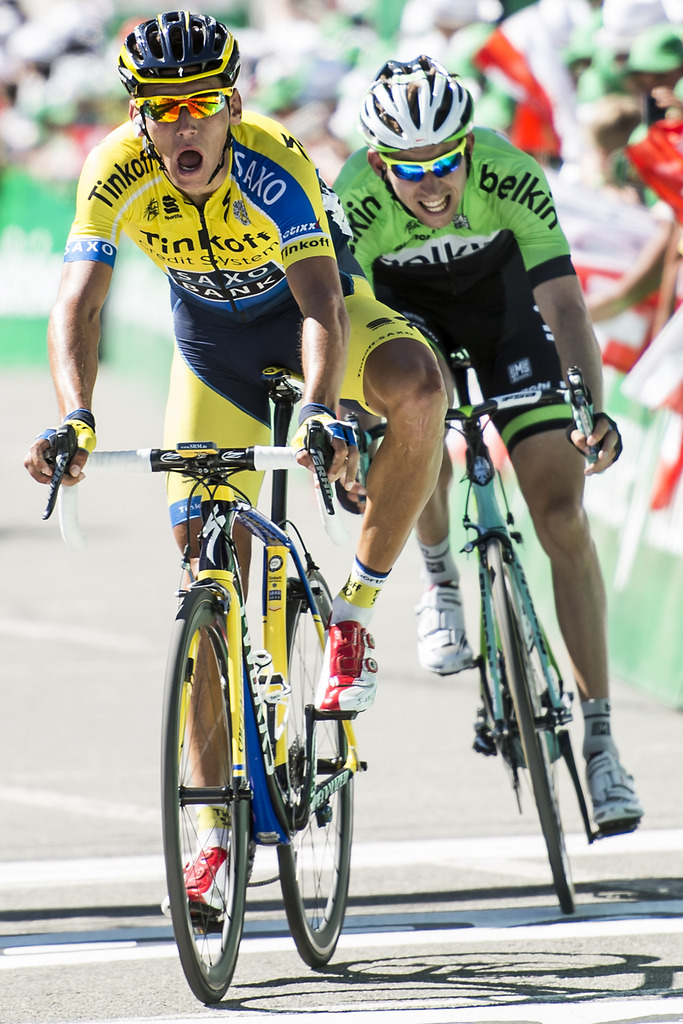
(229,256)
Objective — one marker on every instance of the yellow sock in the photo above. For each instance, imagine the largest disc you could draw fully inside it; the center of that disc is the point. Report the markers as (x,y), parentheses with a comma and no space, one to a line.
(356,599)
(209,818)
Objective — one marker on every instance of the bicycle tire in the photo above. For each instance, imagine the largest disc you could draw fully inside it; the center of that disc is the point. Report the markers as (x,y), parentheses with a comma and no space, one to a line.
(315,865)
(525,689)
(208,941)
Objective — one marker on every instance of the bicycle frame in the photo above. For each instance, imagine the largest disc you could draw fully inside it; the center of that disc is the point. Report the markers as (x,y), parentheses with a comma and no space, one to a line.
(554,713)
(264,744)
(490,522)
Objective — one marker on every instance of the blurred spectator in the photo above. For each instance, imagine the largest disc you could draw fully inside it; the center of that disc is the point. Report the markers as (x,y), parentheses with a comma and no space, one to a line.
(609,123)
(59,97)
(623,20)
(655,66)
(525,54)
(429,26)
(594,68)
(612,122)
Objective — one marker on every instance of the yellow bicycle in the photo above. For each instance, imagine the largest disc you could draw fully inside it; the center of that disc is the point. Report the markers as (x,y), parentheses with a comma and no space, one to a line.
(247,760)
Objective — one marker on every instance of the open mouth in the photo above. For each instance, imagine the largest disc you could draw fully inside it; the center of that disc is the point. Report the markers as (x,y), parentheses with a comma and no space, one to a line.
(189,160)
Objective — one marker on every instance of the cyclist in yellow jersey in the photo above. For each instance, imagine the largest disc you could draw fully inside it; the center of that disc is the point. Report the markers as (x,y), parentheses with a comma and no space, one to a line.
(230,207)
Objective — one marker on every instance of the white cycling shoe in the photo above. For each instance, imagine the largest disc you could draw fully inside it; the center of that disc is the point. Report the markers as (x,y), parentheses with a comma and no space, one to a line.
(442,645)
(616,808)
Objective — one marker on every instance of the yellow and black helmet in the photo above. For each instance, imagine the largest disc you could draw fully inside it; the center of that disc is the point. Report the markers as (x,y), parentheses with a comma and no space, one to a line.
(178,46)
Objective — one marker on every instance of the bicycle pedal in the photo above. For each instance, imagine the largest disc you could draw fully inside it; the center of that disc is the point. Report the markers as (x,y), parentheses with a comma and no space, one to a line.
(205,920)
(338,716)
(485,745)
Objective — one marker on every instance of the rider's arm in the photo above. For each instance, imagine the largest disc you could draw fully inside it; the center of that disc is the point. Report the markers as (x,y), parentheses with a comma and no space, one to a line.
(637,282)
(563,308)
(73,340)
(315,285)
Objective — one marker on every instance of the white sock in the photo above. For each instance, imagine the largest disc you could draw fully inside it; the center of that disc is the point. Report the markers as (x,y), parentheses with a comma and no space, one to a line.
(598,727)
(439,565)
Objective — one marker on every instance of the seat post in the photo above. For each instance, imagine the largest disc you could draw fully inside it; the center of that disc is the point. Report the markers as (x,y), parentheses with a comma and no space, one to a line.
(282,417)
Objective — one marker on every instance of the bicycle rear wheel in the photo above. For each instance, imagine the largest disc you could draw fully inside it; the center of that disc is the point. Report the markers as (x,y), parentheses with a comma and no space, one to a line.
(200,807)
(315,866)
(526,688)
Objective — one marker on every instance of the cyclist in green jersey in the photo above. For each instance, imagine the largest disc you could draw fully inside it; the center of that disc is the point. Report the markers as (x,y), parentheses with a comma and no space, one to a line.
(457,230)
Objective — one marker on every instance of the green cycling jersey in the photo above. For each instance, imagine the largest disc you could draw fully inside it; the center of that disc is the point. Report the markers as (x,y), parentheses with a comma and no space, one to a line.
(506,198)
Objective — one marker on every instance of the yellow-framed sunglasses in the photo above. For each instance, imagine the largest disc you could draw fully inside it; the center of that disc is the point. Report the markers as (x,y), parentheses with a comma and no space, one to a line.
(415,170)
(199,104)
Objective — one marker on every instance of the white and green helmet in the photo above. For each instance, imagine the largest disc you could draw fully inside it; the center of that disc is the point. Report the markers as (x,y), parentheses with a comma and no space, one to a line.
(413,105)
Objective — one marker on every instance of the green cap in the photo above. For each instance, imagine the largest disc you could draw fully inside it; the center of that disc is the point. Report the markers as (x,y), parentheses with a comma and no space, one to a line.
(658,49)
(582,42)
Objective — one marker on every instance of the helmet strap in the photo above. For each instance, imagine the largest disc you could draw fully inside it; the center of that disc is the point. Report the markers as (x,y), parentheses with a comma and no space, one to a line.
(150,147)
(221,162)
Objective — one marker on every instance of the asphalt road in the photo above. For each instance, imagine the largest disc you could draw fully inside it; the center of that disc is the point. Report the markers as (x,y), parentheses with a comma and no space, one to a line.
(451,918)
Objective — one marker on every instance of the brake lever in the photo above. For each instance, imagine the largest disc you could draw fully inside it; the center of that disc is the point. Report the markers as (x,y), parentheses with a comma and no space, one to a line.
(63,448)
(581,409)
(321,450)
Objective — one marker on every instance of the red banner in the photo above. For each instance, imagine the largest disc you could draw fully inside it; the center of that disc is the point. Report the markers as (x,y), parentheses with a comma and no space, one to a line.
(532,129)
(658,158)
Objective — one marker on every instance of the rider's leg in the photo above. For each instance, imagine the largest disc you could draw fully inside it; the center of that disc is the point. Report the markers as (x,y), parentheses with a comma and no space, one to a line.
(442,645)
(401,382)
(550,474)
(196,412)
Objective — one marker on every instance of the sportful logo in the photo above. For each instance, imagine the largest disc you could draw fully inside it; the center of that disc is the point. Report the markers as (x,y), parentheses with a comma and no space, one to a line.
(522,191)
(171,208)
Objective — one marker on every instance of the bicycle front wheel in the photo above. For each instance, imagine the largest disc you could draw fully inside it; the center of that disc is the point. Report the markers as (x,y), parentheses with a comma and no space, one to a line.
(315,866)
(201,810)
(526,688)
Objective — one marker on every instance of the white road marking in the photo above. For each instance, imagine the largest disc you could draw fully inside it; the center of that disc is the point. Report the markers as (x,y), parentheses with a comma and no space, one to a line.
(613,1011)
(76,954)
(392,853)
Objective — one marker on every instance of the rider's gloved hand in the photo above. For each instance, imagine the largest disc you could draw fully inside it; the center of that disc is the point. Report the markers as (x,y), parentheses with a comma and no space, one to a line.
(343,448)
(603,443)
(40,459)
(83,422)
